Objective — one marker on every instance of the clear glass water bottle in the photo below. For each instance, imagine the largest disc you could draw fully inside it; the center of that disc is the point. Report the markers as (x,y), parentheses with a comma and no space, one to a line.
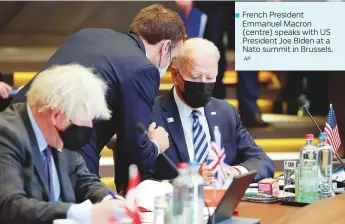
(309,174)
(325,154)
(160,207)
(196,200)
(168,217)
(180,194)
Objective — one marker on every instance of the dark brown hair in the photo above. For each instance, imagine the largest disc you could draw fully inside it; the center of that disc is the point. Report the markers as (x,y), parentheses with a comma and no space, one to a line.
(155,23)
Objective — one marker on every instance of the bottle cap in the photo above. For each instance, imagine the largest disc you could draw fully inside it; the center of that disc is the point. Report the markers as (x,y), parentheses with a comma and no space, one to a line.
(309,136)
(183,166)
(323,135)
(194,166)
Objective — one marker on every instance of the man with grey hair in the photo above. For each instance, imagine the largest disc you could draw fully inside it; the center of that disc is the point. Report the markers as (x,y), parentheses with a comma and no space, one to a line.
(40,179)
(190,115)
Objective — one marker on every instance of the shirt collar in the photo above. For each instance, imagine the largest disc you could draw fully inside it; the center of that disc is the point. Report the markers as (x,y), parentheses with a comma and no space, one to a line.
(138,40)
(41,141)
(183,108)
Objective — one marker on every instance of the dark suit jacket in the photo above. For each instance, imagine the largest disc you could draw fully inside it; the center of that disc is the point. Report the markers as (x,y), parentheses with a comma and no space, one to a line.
(24,187)
(133,84)
(239,145)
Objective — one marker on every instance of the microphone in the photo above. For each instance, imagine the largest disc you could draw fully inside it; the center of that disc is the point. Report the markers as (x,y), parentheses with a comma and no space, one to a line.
(302,102)
(142,130)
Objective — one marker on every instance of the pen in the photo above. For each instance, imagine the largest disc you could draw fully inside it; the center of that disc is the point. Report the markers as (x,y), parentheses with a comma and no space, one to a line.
(112,194)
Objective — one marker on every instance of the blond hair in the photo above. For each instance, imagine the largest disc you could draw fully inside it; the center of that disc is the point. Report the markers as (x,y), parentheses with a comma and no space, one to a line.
(73,89)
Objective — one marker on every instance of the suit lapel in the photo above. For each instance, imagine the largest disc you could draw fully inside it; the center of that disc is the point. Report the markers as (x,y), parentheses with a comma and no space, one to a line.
(213,118)
(37,159)
(172,118)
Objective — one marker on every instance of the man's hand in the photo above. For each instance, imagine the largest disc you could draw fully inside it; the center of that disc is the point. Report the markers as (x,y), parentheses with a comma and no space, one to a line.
(159,136)
(4,88)
(206,173)
(104,211)
(234,171)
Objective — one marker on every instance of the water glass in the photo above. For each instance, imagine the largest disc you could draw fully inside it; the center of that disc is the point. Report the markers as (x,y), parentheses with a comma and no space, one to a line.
(289,178)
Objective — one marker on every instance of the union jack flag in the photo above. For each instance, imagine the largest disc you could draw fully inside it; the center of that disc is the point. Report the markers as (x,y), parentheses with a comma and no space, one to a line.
(221,170)
(331,129)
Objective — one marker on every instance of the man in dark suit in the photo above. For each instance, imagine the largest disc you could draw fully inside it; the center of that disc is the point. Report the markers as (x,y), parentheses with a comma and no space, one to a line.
(42,180)
(131,64)
(190,114)
(221,19)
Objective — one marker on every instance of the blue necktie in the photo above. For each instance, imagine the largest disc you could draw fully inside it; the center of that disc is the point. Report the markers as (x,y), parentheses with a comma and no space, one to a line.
(200,140)
(49,172)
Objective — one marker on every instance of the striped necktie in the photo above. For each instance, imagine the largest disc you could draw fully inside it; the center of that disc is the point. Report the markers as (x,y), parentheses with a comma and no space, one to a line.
(49,172)
(200,140)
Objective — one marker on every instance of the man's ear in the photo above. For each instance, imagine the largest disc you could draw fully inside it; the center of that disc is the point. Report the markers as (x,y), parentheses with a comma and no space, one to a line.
(54,116)
(166,47)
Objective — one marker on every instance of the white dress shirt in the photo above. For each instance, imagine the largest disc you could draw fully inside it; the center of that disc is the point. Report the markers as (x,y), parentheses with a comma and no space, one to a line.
(187,124)
(186,117)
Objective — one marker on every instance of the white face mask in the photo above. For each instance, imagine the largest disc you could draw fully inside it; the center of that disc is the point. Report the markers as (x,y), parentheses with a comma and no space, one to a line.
(162,71)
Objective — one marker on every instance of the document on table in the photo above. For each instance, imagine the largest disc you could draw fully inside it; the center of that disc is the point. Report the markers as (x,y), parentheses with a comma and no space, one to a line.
(148,217)
(148,190)
(339,174)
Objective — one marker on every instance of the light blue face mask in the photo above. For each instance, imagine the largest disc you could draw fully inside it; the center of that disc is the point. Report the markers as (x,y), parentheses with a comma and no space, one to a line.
(162,71)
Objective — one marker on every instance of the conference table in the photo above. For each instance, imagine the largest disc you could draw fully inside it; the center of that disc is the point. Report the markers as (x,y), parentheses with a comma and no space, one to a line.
(268,213)
(327,211)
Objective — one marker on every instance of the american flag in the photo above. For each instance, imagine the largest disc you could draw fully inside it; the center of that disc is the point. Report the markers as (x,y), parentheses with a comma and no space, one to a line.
(221,170)
(332,131)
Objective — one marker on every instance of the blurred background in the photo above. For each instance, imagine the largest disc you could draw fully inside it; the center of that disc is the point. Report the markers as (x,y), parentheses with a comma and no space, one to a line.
(30,32)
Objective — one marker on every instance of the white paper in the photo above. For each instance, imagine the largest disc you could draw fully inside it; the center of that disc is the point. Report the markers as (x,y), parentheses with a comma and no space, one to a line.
(148,217)
(339,175)
(148,190)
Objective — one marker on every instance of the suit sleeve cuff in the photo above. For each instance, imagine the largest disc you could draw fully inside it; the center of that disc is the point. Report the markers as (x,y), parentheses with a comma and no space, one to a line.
(242,169)
(157,148)
(81,212)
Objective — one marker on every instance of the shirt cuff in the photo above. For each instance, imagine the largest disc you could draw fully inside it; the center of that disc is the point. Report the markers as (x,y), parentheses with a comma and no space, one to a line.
(81,212)
(108,197)
(242,169)
(158,151)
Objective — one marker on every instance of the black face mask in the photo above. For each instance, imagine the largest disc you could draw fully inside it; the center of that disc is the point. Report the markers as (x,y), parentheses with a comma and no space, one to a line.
(197,94)
(75,137)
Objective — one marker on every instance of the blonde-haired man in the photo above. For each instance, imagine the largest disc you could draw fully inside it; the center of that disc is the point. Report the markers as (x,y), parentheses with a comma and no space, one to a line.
(40,179)
(190,114)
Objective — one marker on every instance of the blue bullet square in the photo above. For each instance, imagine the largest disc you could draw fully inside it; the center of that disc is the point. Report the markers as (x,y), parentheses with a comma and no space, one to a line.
(237,15)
